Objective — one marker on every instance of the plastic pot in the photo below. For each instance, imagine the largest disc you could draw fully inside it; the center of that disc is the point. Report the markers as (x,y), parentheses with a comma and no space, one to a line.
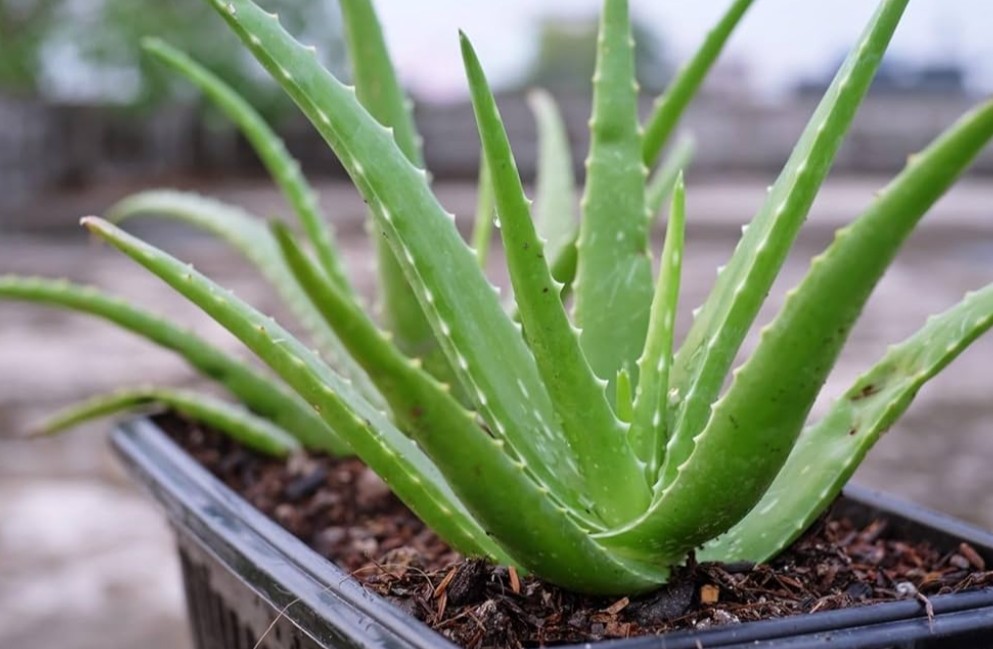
(246,578)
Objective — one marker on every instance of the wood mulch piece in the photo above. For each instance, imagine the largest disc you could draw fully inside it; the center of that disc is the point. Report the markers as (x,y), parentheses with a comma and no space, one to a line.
(342,510)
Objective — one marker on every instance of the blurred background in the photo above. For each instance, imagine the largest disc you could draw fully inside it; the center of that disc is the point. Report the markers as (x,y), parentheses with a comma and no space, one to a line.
(85,561)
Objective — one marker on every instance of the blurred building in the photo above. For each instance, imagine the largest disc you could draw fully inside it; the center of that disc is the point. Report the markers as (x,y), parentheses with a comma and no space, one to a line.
(895,77)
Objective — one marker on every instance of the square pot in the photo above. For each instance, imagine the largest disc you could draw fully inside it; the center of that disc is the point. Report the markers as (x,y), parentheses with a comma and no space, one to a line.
(242,571)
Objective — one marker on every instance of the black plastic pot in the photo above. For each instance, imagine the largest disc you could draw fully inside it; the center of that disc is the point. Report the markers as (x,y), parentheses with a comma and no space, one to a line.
(246,578)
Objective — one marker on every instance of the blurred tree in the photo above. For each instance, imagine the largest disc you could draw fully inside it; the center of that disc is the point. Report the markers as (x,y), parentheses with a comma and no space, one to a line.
(567,55)
(23,25)
(88,51)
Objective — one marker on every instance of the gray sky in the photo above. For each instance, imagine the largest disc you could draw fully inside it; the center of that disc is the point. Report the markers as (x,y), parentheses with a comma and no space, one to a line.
(779,39)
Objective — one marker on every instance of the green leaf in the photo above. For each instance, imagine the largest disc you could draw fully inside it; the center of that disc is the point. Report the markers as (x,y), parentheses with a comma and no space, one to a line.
(828,452)
(649,432)
(663,181)
(555,208)
(614,274)
(482,231)
(572,558)
(379,91)
(596,436)
(387,451)
(254,432)
(713,341)
(540,534)
(624,401)
(481,343)
(248,235)
(270,149)
(265,396)
(754,425)
(376,82)
(672,104)
(721,469)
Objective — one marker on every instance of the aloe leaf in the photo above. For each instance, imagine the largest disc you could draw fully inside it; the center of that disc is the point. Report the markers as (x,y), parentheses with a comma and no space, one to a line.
(248,235)
(521,514)
(236,422)
(697,467)
(482,230)
(270,149)
(537,527)
(624,400)
(373,349)
(828,452)
(555,207)
(614,275)
(648,432)
(357,332)
(663,181)
(671,105)
(376,82)
(379,91)
(245,232)
(714,339)
(754,425)
(610,470)
(387,451)
(481,343)
(263,395)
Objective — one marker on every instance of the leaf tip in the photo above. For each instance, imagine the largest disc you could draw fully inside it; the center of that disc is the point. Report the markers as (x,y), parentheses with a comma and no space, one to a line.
(151,43)
(468,51)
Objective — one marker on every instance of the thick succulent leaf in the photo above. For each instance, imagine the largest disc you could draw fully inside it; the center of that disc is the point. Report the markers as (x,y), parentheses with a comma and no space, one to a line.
(625,397)
(614,274)
(376,82)
(245,232)
(283,168)
(609,468)
(481,343)
(379,91)
(649,425)
(263,395)
(482,230)
(697,469)
(713,341)
(555,206)
(828,452)
(540,534)
(663,181)
(387,451)
(252,431)
(754,425)
(670,106)
(249,235)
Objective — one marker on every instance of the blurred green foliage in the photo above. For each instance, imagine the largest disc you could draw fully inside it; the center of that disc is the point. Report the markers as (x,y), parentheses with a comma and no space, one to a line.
(567,55)
(88,51)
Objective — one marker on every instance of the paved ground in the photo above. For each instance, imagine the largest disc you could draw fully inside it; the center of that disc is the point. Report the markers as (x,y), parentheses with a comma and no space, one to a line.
(85,562)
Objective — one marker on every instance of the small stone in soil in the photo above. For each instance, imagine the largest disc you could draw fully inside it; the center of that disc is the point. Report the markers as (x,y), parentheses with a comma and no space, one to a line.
(306,485)
(664,605)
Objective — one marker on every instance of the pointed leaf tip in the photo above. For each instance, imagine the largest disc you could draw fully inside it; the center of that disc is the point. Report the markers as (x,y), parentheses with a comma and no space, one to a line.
(468,51)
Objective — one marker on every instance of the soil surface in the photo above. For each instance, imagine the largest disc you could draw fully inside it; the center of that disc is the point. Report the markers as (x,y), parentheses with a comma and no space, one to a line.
(342,510)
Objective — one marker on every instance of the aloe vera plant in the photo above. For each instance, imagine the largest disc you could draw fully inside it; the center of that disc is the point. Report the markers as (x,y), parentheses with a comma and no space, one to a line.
(567,435)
